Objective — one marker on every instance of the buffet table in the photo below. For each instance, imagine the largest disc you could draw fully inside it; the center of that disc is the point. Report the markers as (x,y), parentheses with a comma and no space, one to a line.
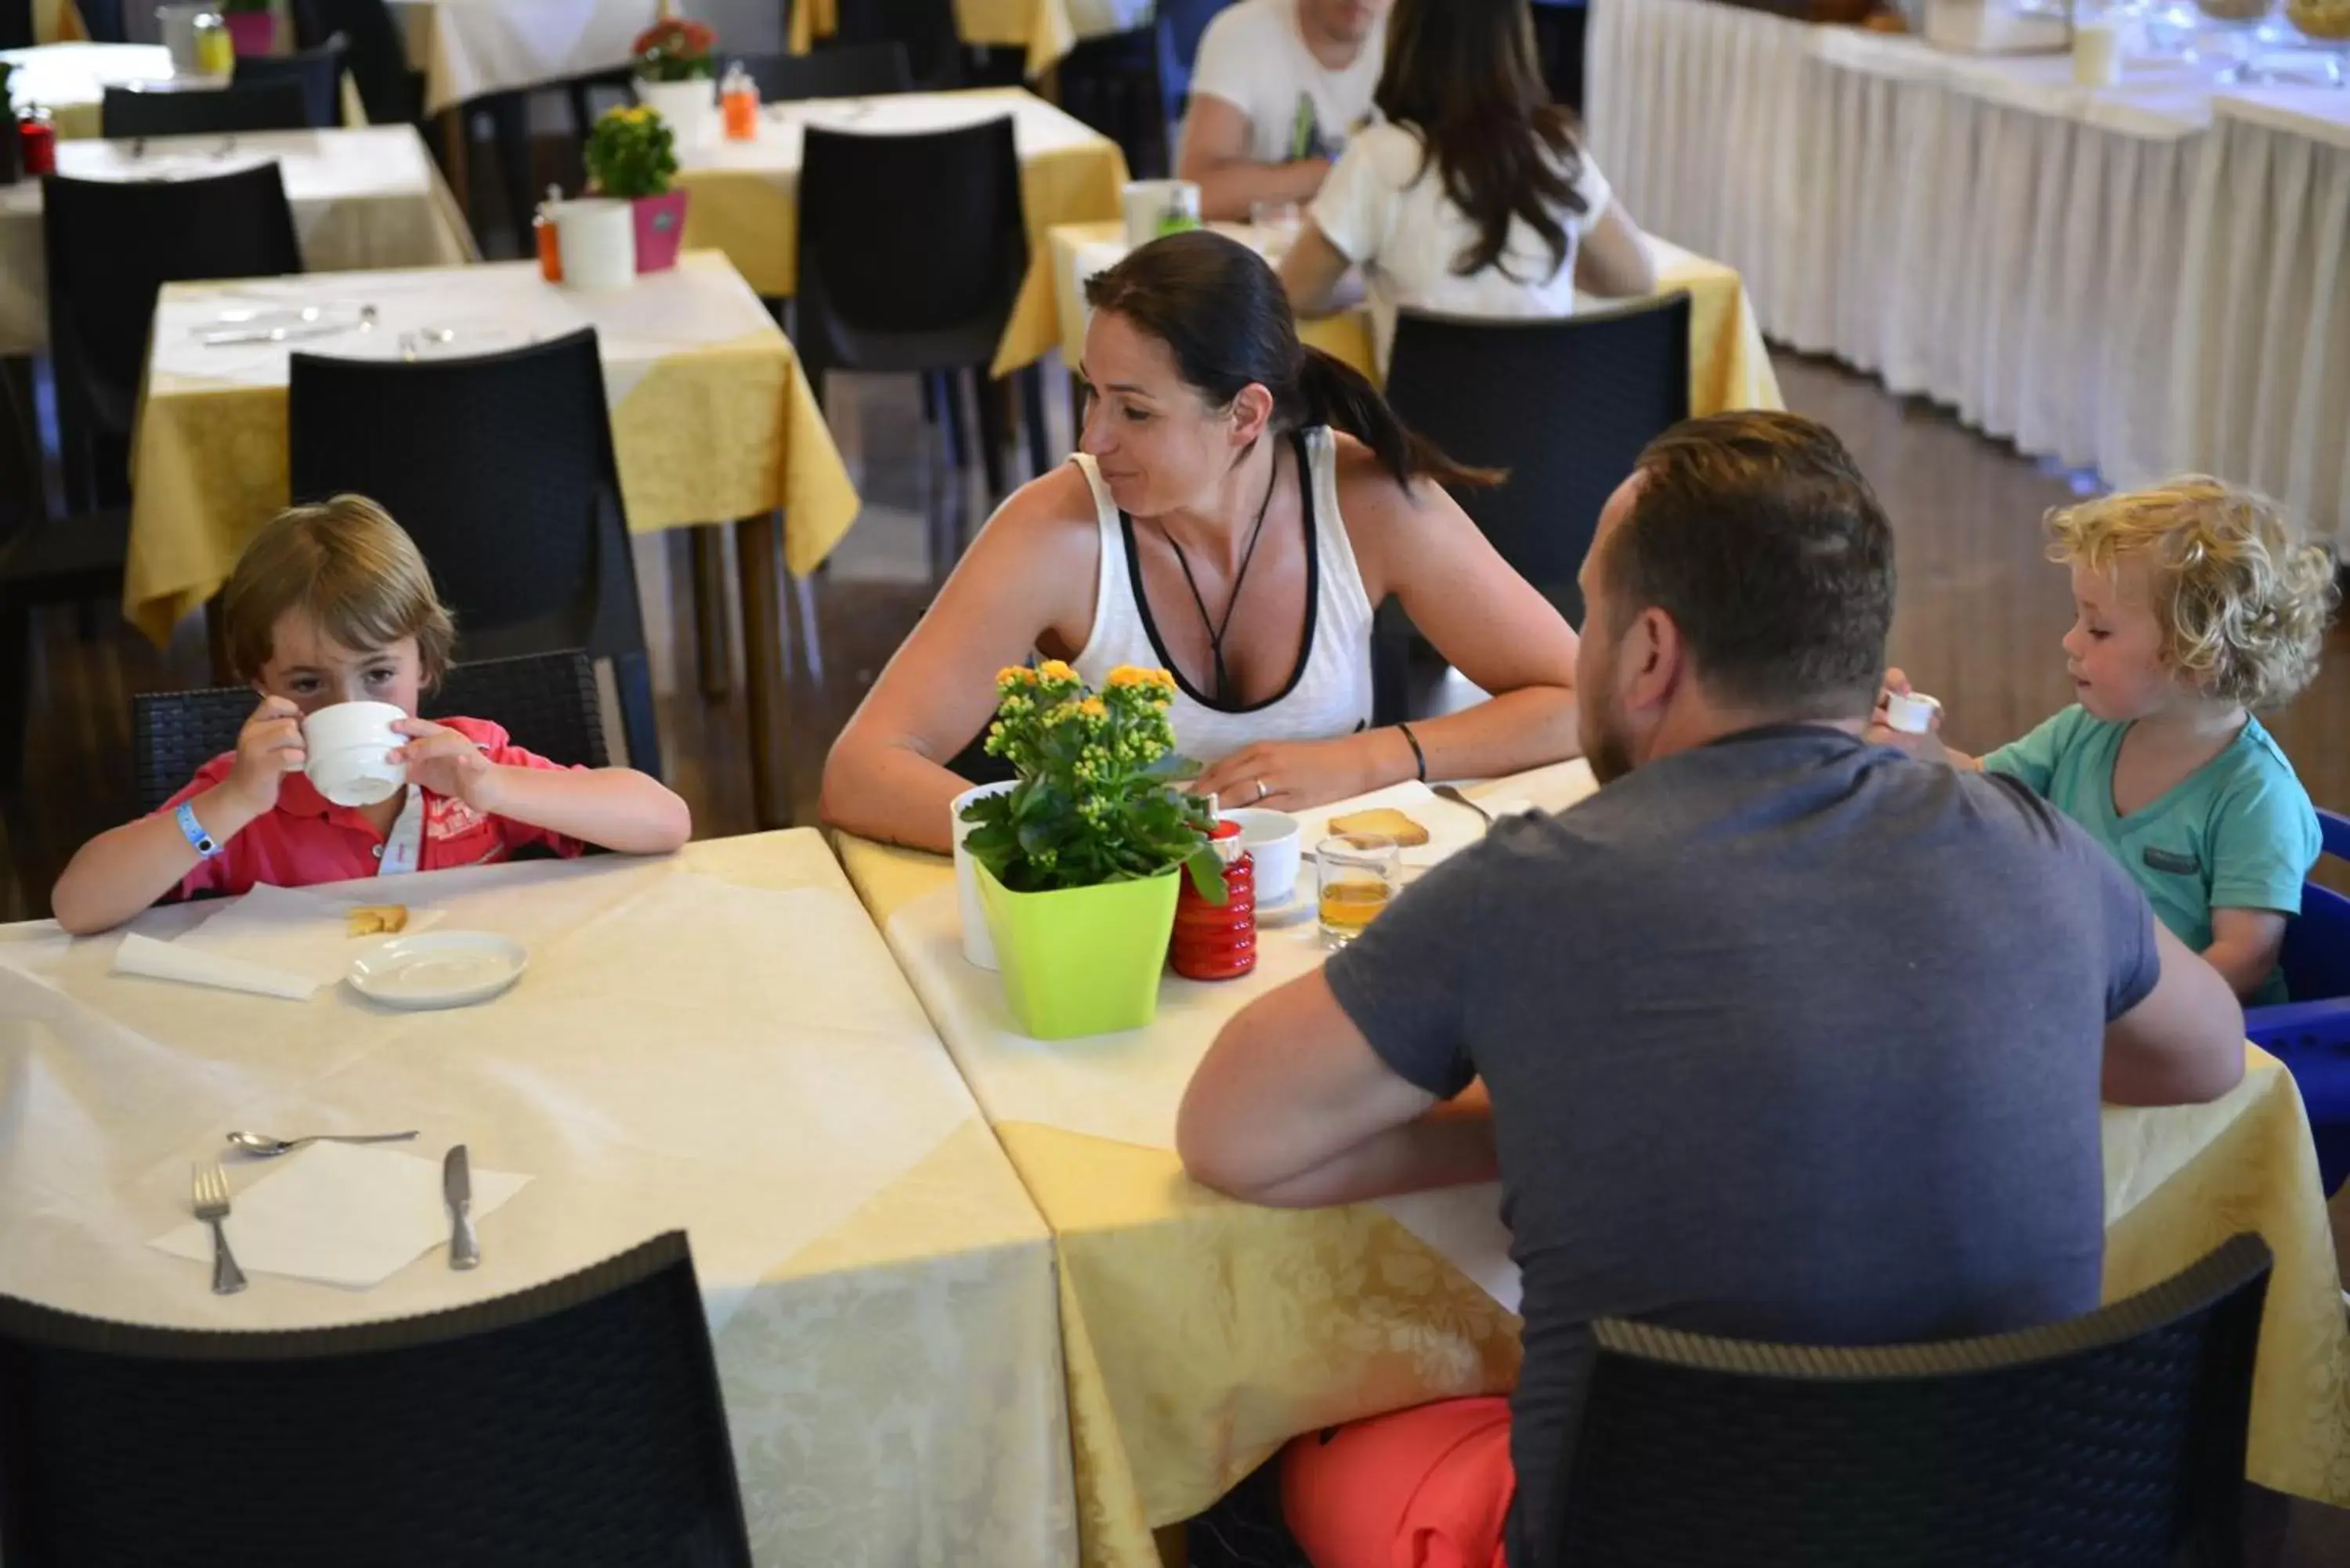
(2132,279)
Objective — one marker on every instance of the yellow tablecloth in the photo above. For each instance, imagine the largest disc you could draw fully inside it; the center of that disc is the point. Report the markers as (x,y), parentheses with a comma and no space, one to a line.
(717,1043)
(711,418)
(58,21)
(1042,27)
(1729,366)
(1200,1333)
(745,198)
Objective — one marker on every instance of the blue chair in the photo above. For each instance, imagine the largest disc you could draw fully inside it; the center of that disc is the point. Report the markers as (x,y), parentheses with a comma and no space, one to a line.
(1179,23)
(2311,1033)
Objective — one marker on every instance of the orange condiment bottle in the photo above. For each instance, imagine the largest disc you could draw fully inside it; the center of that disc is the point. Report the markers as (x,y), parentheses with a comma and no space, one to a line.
(738,97)
(550,240)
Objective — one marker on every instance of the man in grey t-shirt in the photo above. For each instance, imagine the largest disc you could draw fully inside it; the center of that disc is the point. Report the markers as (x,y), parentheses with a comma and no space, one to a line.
(1780,1035)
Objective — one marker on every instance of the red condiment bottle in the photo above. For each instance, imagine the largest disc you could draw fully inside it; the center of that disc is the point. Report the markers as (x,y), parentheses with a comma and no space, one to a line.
(1218,942)
(40,143)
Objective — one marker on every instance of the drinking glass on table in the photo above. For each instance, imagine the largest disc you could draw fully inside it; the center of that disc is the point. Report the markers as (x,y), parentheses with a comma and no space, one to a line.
(1359,873)
(1277,224)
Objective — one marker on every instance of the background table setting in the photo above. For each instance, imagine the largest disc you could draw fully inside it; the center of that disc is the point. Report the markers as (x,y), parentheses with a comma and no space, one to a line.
(1044,30)
(1729,366)
(361,199)
(70,79)
(2138,278)
(745,198)
(1200,1333)
(718,1042)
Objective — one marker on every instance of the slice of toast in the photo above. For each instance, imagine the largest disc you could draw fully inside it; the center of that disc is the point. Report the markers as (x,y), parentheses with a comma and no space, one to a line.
(1387,822)
(376,921)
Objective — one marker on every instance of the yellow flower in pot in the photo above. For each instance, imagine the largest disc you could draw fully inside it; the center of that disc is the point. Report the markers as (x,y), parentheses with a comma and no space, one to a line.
(1078,862)
(631,154)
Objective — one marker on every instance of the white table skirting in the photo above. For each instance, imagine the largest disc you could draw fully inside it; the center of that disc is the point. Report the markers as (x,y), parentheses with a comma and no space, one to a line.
(2135,280)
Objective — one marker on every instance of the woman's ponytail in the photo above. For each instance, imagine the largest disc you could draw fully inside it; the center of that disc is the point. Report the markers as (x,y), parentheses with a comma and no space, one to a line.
(1336,394)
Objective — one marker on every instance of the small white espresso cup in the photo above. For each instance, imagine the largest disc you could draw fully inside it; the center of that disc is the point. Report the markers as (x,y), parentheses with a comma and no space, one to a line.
(349,746)
(1272,839)
(977,945)
(1912,715)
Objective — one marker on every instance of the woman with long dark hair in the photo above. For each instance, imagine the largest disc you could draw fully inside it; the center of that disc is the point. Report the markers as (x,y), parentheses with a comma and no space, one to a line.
(1474,197)
(1238,505)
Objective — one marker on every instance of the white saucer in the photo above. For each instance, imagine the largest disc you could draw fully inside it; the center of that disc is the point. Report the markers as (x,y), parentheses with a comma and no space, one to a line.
(438,969)
(1300,905)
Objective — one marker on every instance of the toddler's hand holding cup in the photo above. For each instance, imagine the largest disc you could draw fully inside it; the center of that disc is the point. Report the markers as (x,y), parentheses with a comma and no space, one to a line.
(269,747)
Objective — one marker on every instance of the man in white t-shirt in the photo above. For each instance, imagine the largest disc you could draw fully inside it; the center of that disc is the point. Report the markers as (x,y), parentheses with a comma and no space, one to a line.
(1279,87)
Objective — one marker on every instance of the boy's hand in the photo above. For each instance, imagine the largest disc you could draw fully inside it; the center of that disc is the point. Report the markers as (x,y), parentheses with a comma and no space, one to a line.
(268,749)
(446,763)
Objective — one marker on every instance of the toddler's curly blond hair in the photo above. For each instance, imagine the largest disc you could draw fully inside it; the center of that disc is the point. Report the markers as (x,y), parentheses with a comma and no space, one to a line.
(2243,596)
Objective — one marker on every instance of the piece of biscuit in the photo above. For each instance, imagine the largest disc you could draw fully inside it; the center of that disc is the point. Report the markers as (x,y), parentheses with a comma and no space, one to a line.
(1387,822)
(376,921)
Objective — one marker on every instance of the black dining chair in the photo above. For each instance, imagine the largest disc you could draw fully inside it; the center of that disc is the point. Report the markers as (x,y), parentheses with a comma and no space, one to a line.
(500,466)
(16,26)
(918,284)
(927,29)
(837,70)
(1111,82)
(377,56)
(576,1422)
(111,245)
(44,561)
(317,71)
(129,112)
(1566,406)
(547,702)
(2115,1439)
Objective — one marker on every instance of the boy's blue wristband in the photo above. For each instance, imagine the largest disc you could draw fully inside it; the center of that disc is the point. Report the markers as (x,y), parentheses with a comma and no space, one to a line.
(198,839)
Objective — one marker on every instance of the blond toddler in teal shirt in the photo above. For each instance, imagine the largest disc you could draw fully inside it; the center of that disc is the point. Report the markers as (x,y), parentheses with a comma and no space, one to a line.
(2195,603)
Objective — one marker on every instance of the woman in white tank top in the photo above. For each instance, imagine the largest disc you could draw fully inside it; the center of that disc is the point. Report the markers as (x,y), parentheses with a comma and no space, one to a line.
(1238,506)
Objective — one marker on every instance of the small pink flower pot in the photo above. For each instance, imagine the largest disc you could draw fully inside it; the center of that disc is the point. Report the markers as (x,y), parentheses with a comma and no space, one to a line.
(252,33)
(661,224)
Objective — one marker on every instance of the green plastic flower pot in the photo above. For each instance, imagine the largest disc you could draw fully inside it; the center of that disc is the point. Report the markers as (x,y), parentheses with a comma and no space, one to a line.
(1081,960)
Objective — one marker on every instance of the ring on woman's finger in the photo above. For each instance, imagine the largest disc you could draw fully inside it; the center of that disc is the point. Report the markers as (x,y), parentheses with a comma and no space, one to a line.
(1260,791)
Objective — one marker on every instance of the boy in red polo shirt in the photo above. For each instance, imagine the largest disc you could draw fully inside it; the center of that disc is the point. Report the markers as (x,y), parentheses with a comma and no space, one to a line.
(334,604)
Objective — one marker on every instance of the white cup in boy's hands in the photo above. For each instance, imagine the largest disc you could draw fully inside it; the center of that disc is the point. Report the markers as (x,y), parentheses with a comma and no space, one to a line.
(268,749)
(350,746)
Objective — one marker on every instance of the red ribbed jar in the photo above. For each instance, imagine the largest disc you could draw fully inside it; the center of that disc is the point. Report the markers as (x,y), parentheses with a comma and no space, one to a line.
(1218,942)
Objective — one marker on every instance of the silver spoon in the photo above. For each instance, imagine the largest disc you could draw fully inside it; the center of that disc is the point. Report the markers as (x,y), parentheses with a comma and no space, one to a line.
(1452,793)
(260,1145)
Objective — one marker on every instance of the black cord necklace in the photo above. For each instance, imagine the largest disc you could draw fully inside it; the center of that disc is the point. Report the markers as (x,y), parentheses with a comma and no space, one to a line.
(1208,623)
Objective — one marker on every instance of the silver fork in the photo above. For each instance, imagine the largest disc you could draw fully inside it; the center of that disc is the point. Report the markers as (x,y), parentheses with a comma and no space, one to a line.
(1452,793)
(211,1202)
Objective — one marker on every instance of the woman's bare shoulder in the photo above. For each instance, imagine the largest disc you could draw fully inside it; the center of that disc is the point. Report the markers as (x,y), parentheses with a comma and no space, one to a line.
(1049,509)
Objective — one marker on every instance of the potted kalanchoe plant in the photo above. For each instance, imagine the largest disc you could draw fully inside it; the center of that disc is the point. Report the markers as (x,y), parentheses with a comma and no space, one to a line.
(1079,862)
(632,155)
(674,66)
(252,26)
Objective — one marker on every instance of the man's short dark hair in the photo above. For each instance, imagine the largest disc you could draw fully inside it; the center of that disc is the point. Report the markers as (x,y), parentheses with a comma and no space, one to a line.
(1757,535)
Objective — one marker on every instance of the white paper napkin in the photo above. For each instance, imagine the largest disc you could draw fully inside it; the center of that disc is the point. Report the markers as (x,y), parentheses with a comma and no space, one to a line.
(192,966)
(343,1214)
(301,931)
(1464,1225)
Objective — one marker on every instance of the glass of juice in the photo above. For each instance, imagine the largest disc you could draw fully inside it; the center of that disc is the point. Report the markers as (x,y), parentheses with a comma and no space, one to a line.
(1359,874)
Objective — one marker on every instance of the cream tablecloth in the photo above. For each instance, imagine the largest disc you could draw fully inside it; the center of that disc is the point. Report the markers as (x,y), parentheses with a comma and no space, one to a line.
(718,1042)
(361,199)
(1729,366)
(470,48)
(70,79)
(1044,29)
(2072,269)
(1200,1333)
(711,420)
(746,194)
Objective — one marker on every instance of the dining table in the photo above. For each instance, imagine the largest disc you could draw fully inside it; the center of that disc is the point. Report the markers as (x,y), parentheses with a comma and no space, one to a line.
(1200,1333)
(70,79)
(1730,367)
(745,194)
(717,1042)
(712,422)
(1044,31)
(361,199)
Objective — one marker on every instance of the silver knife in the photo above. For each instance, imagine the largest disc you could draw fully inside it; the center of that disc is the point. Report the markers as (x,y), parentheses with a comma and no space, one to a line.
(457,1187)
(273,335)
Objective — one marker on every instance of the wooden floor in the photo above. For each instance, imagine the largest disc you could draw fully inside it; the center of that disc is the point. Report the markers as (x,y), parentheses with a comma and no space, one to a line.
(1979,615)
